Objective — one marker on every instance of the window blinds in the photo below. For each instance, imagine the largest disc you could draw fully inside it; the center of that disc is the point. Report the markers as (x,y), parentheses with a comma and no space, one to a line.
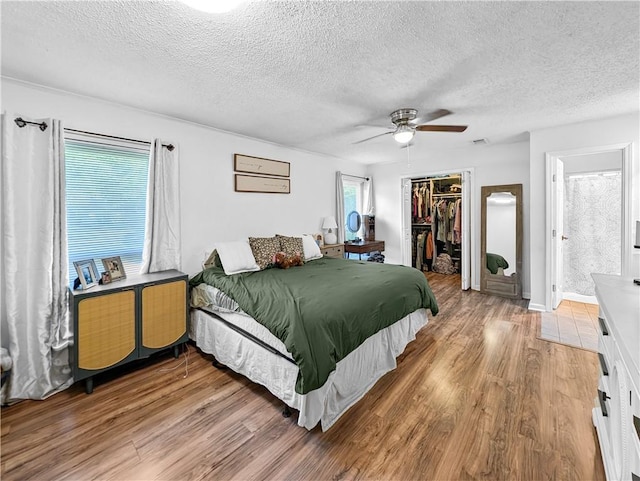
(106,186)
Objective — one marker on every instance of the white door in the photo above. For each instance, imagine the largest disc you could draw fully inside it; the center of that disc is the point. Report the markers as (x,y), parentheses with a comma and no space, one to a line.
(406,222)
(557,235)
(465,267)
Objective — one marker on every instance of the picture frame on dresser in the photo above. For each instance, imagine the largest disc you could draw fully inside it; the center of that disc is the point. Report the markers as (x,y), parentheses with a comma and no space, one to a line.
(115,268)
(87,273)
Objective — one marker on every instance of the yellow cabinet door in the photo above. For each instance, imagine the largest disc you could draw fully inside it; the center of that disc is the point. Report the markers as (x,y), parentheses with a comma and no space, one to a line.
(106,329)
(164,314)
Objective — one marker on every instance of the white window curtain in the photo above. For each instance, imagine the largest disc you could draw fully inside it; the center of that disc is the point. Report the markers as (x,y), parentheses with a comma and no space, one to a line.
(368,207)
(162,247)
(340,220)
(34,275)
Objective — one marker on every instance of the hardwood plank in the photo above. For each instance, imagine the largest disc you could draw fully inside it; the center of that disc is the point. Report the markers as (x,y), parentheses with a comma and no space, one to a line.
(476,396)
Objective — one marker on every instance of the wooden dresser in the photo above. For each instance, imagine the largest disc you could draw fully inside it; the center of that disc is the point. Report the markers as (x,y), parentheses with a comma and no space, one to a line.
(617,412)
(333,250)
(127,320)
(364,247)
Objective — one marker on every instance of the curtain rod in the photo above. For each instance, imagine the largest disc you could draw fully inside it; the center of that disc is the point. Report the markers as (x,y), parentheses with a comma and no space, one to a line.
(20,122)
(169,147)
(356,176)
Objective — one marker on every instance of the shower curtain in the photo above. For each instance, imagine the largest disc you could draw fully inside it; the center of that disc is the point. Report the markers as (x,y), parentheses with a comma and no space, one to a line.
(592,223)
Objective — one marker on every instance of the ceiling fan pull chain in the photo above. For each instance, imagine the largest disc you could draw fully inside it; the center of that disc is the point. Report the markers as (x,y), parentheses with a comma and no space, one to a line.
(408,162)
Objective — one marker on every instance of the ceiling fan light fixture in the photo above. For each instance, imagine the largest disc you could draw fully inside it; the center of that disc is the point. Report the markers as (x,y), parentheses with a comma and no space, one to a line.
(403,134)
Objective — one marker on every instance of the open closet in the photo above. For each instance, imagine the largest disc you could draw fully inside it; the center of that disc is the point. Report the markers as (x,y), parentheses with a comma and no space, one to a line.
(436,223)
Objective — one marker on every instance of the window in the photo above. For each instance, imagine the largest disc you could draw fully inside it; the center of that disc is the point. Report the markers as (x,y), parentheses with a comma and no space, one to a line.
(106,194)
(352,191)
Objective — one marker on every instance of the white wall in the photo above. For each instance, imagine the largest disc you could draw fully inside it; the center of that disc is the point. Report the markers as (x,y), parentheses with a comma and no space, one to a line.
(491,164)
(211,210)
(598,162)
(615,130)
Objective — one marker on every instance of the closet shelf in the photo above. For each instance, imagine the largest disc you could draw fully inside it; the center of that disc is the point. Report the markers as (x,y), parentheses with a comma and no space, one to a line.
(452,194)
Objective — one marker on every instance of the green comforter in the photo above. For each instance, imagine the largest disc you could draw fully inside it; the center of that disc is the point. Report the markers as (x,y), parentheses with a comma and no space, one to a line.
(494,261)
(325,309)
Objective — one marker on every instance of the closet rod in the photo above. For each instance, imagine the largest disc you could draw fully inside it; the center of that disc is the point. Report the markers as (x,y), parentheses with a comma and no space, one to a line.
(169,147)
(459,177)
(452,194)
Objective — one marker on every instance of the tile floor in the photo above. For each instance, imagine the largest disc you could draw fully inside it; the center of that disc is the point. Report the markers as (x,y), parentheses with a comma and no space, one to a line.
(573,323)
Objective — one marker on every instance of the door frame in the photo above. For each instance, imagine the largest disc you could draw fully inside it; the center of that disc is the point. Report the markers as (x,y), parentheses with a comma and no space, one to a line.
(469,241)
(550,248)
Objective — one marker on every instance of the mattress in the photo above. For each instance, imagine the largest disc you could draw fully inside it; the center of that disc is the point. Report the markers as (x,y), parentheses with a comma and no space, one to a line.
(348,383)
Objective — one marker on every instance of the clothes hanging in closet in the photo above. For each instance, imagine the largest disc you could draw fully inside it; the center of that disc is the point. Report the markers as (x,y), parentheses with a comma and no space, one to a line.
(457,225)
(420,202)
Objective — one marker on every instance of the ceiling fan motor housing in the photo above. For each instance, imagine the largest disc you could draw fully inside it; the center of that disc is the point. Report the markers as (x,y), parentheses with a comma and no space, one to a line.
(403,116)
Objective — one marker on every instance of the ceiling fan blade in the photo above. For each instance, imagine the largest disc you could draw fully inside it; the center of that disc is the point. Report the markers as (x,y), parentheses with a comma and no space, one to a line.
(371,138)
(436,114)
(441,128)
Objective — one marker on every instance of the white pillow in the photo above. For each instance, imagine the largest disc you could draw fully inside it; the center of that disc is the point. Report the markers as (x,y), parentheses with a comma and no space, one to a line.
(310,248)
(236,257)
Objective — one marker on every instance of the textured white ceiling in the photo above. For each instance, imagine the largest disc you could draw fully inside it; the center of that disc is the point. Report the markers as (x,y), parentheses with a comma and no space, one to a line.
(312,75)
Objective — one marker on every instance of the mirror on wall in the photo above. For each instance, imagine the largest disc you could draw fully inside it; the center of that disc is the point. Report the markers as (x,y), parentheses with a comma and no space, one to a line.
(501,245)
(354,222)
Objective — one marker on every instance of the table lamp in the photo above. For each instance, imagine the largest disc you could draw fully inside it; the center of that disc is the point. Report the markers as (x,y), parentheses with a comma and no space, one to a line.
(328,224)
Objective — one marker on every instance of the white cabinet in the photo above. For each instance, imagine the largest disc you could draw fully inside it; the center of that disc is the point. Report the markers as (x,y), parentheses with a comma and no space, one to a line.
(617,412)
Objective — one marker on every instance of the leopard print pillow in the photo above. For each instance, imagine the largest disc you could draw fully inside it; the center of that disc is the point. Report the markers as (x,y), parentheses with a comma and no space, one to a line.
(264,249)
(291,246)
(213,260)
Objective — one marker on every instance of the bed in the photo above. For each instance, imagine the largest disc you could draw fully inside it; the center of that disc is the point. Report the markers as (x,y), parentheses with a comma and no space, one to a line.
(317,336)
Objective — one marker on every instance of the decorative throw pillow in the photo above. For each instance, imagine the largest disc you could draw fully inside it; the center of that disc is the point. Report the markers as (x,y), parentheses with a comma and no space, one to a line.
(290,245)
(236,257)
(264,249)
(310,248)
(213,260)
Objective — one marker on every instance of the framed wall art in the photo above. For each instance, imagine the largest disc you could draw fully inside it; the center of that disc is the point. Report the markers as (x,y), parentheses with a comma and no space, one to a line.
(257,165)
(256,183)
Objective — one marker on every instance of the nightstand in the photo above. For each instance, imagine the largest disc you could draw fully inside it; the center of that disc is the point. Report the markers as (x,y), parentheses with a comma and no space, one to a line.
(333,250)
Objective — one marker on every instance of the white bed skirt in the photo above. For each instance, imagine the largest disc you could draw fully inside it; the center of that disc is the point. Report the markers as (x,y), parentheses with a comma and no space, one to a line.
(353,377)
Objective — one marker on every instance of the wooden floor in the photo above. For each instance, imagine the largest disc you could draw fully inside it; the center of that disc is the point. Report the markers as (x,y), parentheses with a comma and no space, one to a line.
(476,396)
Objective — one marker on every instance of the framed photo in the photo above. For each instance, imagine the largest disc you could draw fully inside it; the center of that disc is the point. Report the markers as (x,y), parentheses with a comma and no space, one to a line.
(319,238)
(258,165)
(87,273)
(113,265)
(106,277)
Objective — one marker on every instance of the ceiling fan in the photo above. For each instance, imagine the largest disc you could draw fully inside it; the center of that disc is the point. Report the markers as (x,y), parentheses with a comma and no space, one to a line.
(406,124)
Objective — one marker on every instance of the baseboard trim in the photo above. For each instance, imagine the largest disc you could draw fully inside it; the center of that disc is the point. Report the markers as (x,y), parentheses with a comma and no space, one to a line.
(571,296)
(537,307)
